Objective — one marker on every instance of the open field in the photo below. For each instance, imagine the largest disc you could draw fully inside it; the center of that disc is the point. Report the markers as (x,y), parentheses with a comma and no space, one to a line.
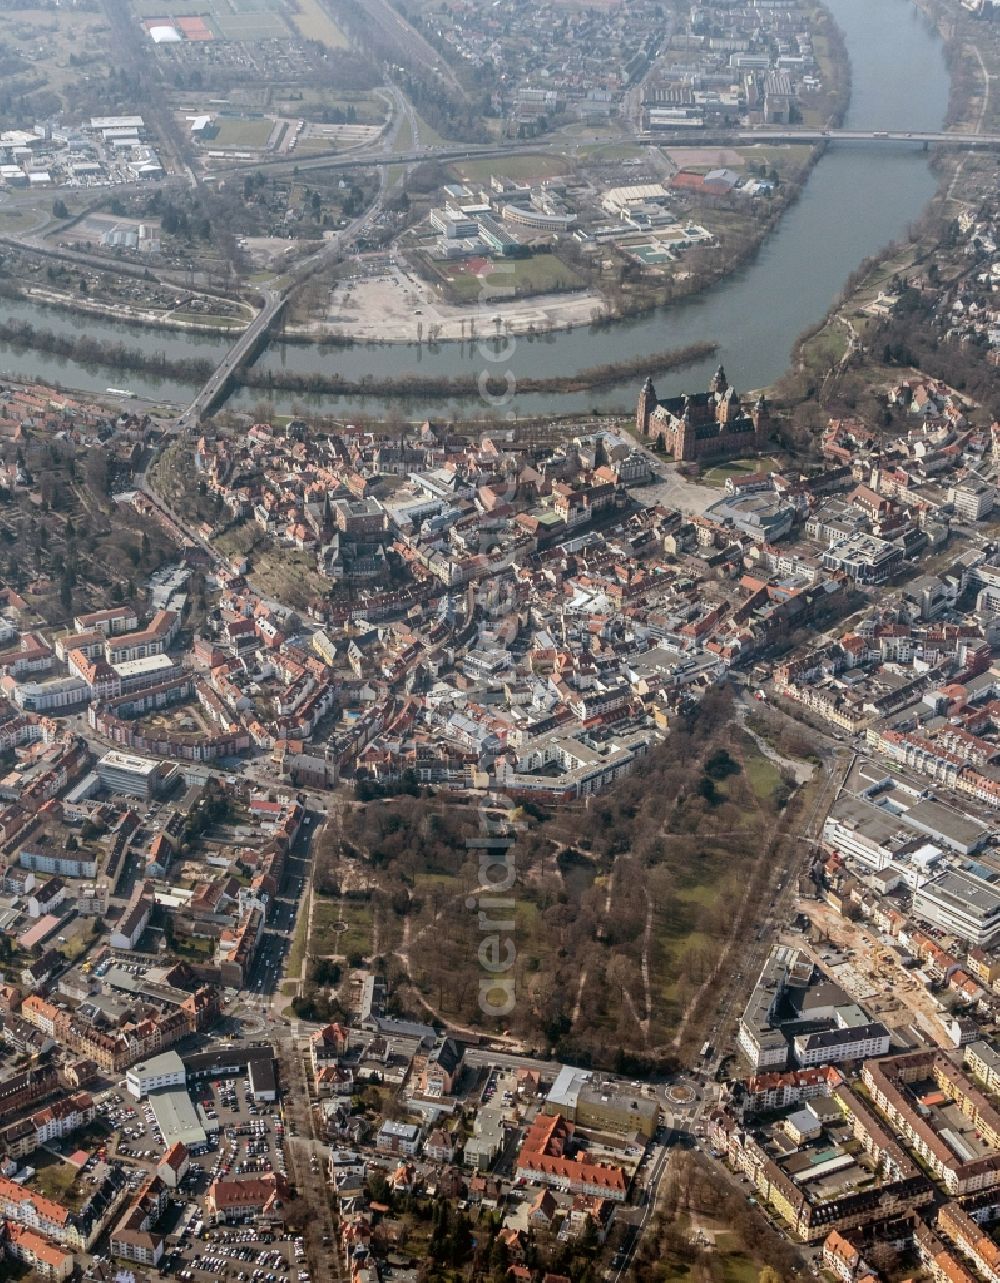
(314,23)
(60,44)
(55,1179)
(288,575)
(392,307)
(311,103)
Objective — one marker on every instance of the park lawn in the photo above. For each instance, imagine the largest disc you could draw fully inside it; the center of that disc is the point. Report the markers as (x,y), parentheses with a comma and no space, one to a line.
(360,919)
(325,938)
(762,775)
(314,23)
(427,882)
(529,166)
(720,474)
(827,347)
(239,131)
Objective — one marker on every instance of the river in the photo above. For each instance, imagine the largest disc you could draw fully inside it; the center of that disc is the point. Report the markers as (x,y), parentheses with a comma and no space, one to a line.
(858,198)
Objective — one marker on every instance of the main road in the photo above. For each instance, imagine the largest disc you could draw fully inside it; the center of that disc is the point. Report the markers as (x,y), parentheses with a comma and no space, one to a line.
(684,137)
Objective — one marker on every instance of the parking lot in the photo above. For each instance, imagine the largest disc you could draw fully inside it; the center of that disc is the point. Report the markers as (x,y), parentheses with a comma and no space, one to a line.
(136,1136)
(250,1133)
(243,1255)
(250,1143)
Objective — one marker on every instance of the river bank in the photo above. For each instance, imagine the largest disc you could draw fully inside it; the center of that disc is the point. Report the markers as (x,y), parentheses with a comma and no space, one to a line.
(118,314)
(489,387)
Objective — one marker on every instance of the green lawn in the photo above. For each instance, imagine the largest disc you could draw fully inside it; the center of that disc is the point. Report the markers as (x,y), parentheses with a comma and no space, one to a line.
(404,135)
(720,474)
(614,151)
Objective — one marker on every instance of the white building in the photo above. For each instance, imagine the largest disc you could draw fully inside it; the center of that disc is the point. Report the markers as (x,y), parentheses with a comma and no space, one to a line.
(166,1070)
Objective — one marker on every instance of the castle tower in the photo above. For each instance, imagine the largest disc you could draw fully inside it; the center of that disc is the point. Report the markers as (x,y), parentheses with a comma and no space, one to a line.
(761,415)
(729,407)
(720,383)
(645,408)
(684,439)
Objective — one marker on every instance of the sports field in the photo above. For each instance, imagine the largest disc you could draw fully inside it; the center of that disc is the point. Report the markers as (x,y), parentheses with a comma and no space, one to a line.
(245,20)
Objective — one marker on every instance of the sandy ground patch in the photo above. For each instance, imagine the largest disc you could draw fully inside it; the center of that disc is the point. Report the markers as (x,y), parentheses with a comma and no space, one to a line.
(392,307)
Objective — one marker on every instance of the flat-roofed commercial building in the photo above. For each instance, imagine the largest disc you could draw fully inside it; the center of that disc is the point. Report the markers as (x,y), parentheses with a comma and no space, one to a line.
(131,775)
(961,904)
(162,1071)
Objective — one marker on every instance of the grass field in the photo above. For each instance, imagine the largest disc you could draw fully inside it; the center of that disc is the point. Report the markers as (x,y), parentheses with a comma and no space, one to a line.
(241,131)
(369,108)
(614,151)
(527,167)
(540,274)
(314,23)
(314,146)
(790,157)
(720,474)
(763,775)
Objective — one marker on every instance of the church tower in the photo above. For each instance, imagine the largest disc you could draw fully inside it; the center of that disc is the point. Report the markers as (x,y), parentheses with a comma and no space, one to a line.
(720,383)
(645,408)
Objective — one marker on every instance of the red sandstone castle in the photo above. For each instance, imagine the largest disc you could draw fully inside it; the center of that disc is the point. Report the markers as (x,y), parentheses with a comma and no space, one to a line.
(707,425)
